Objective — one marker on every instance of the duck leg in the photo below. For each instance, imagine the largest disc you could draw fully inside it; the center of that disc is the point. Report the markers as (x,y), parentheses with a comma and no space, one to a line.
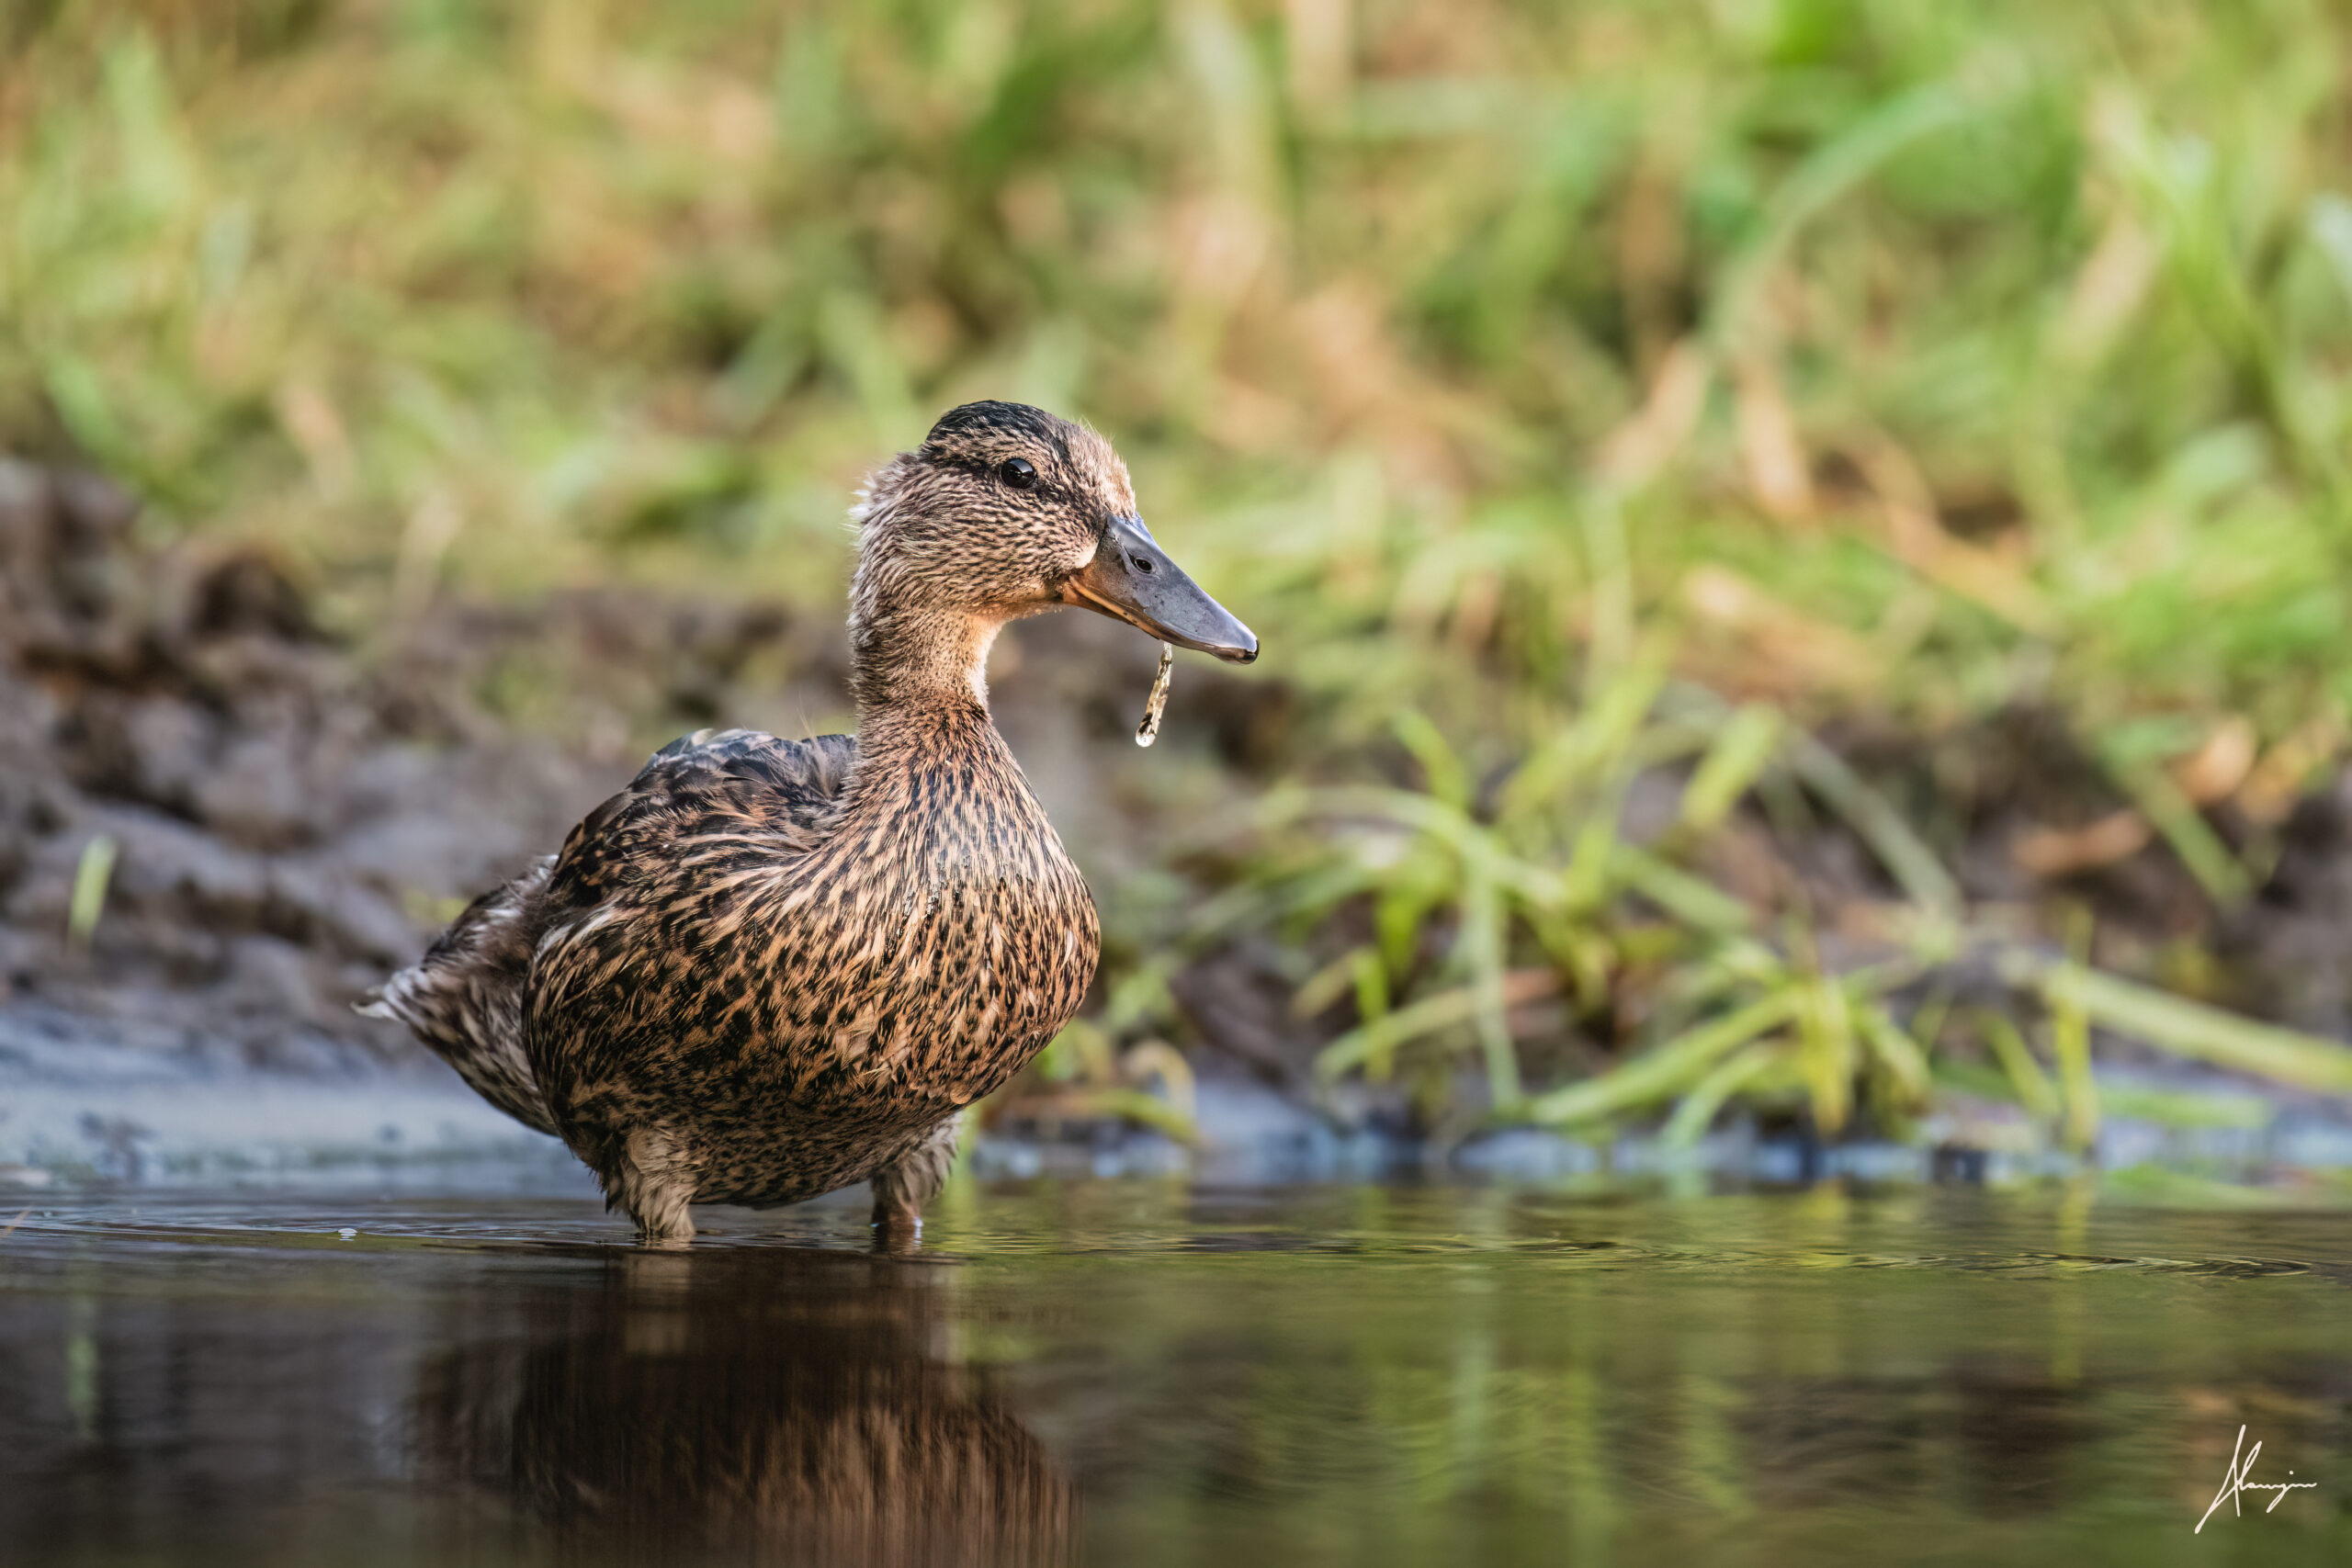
(907,1182)
(654,1183)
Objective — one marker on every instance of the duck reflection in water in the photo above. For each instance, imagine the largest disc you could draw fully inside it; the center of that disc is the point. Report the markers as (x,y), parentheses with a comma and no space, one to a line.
(791,1405)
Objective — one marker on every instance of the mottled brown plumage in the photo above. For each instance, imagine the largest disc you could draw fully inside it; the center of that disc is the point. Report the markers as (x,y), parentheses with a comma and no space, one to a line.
(768,968)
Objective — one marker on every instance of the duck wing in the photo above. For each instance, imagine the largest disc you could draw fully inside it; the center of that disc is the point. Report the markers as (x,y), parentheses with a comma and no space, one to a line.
(711,780)
(466,997)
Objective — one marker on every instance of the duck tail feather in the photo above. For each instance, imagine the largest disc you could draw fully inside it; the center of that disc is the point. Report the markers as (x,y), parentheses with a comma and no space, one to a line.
(464,997)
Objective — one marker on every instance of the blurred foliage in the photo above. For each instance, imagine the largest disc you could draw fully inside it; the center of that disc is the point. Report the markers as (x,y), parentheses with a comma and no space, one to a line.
(1871,355)
(1975,354)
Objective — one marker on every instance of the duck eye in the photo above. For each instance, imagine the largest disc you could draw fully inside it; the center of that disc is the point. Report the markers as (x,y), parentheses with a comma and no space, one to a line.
(1018,472)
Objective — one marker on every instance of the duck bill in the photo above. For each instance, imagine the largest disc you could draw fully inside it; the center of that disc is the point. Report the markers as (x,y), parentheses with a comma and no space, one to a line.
(1132,579)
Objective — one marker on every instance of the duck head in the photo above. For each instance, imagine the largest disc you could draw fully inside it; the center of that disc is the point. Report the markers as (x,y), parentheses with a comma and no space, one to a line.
(1006,511)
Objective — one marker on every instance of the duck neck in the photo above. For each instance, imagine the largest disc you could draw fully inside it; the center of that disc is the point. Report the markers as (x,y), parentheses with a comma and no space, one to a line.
(920,668)
(931,770)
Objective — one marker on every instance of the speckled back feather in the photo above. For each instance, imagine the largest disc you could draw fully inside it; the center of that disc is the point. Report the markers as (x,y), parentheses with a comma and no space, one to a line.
(464,997)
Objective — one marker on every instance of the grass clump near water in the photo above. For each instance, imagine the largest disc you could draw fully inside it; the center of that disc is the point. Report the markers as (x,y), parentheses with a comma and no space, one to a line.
(1913,363)
(1498,922)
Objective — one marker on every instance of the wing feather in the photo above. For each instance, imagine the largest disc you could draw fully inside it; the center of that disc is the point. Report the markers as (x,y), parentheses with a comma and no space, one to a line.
(466,997)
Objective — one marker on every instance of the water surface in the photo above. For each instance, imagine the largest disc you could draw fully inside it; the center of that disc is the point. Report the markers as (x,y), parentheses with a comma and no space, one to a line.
(1136,1372)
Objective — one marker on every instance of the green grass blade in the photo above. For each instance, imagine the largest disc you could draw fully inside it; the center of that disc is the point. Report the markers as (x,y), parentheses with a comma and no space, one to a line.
(1825,1051)
(2070,1043)
(2173,1109)
(1831,172)
(1665,1070)
(92,874)
(1593,747)
(1138,1106)
(1907,859)
(1688,898)
(1741,749)
(1419,1020)
(2199,848)
(2032,1085)
(1895,1051)
(1448,780)
(1482,948)
(1696,1111)
(2192,1029)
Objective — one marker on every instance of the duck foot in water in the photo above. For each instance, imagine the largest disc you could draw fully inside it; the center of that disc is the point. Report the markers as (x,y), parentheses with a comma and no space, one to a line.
(907,1184)
(654,1183)
(896,1234)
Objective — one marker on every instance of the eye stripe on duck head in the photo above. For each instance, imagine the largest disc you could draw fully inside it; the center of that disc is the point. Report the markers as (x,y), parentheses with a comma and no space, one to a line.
(982,441)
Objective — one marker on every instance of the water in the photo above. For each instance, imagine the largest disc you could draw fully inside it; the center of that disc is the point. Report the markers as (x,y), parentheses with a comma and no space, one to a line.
(1134,1373)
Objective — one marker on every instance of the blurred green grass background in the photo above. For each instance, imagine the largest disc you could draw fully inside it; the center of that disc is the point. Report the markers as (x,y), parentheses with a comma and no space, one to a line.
(1835,357)
(1937,356)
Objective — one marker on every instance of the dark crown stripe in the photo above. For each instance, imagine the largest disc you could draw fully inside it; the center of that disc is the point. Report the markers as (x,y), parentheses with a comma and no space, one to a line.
(1011,419)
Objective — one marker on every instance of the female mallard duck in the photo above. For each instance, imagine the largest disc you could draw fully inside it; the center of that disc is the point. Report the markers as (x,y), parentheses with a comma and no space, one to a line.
(772,968)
